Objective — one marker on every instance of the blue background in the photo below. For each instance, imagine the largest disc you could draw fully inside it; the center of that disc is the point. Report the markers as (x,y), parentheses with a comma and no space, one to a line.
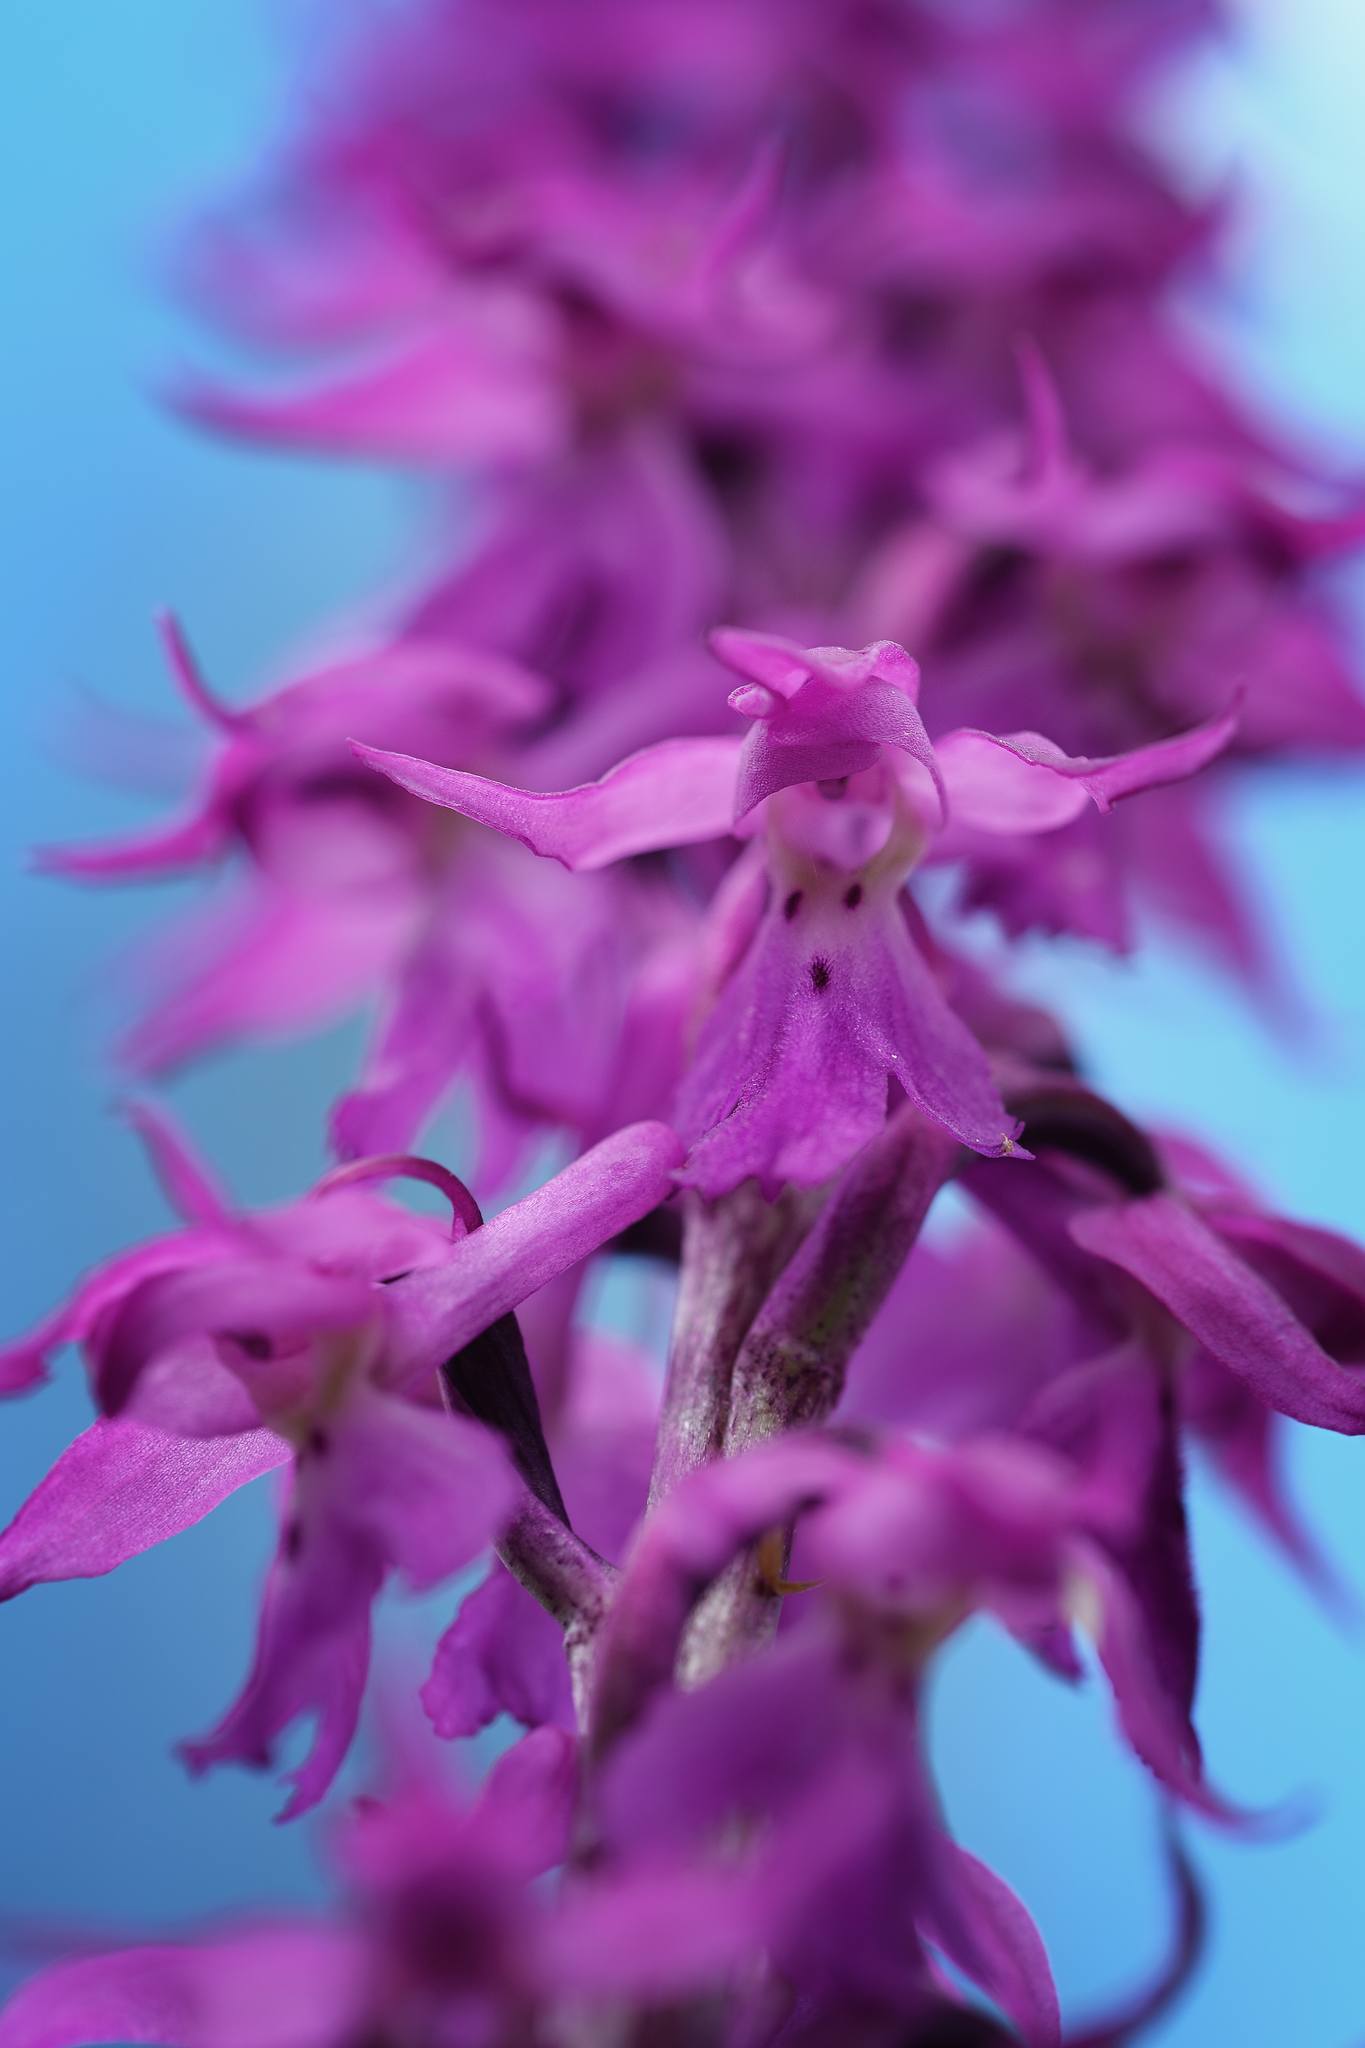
(123,111)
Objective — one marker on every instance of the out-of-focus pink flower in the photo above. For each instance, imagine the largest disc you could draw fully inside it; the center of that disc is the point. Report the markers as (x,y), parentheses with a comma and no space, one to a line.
(311,1335)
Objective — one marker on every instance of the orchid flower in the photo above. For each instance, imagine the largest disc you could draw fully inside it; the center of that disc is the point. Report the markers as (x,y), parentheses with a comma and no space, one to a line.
(860,320)
(309,1336)
(825,994)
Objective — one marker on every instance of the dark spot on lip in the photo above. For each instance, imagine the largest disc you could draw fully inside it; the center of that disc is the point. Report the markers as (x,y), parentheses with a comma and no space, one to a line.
(853,896)
(819,974)
(317,1443)
(792,905)
(253,1342)
(291,1542)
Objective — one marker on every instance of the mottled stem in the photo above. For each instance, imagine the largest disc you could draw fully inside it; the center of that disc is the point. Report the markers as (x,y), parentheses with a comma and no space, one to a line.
(568,1578)
(681,1552)
(740,1613)
(733,1251)
(791,1365)
(491,1380)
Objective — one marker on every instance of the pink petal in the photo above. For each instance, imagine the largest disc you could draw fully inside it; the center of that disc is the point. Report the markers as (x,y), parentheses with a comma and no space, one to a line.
(430,1488)
(120,1488)
(267,959)
(1154,1719)
(1320,1273)
(422,1043)
(1024,783)
(784,666)
(24,1363)
(312,1659)
(349,277)
(654,1934)
(190,1390)
(160,850)
(443,397)
(186,1181)
(286,1986)
(387,1487)
(528,1801)
(974,1917)
(502,1654)
(965,1339)
(820,713)
(1075,879)
(823,735)
(1245,1442)
(283,1303)
(685,1545)
(1049,459)
(673,794)
(433,1313)
(1236,1317)
(191,682)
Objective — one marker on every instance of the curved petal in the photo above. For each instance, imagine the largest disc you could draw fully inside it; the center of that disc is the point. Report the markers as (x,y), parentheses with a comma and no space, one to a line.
(120,1488)
(820,713)
(389,1488)
(265,1302)
(422,1042)
(285,1986)
(312,1659)
(1224,1304)
(529,1800)
(433,1313)
(654,1934)
(784,666)
(430,1488)
(190,680)
(266,958)
(982,1928)
(160,850)
(1320,1274)
(674,794)
(1244,1441)
(447,395)
(1155,1721)
(186,1181)
(1021,782)
(24,1363)
(825,734)
(502,1654)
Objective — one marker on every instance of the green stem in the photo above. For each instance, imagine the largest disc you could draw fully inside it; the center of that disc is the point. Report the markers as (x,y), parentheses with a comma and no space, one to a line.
(733,1252)
(568,1578)
(791,1366)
